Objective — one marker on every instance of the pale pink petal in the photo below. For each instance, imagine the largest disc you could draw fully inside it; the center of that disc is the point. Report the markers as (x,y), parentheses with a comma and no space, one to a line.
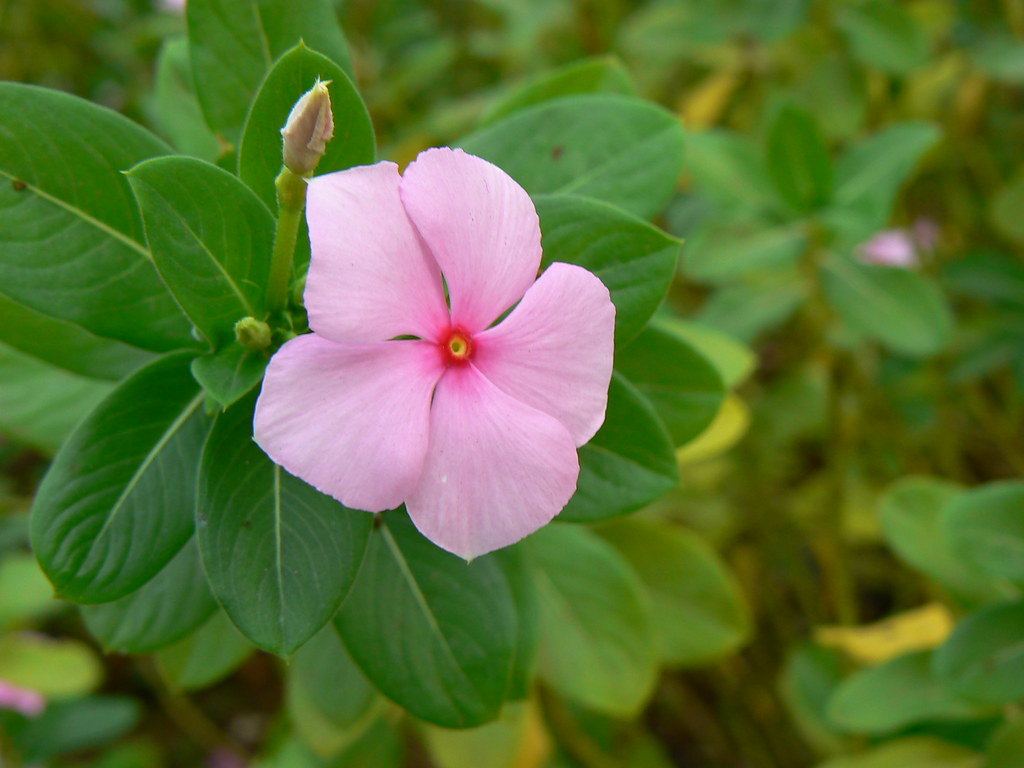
(481,227)
(351,420)
(496,469)
(554,351)
(370,278)
(24,700)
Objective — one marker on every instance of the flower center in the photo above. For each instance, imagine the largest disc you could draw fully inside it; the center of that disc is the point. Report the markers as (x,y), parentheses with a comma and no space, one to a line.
(458,348)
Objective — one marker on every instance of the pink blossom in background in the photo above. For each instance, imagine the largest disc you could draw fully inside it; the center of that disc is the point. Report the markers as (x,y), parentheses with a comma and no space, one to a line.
(889,248)
(474,428)
(30,703)
(225,758)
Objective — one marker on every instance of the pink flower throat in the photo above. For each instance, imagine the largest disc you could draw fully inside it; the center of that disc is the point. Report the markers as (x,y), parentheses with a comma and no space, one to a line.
(457,347)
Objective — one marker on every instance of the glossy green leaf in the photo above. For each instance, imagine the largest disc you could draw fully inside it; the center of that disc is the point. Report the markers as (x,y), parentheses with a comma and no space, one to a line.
(628,463)
(211,240)
(279,554)
(206,656)
(911,512)
(40,404)
(177,108)
(634,260)
(604,74)
(904,310)
(165,609)
(885,35)
(259,157)
(234,42)
(57,669)
(1006,750)
(231,373)
(683,386)
(70,233)
(597,642)
(910,752)
(118,501)
(984,658)
(698,611)
(797,159)
(450,663)
(898,693)
(330,700)
(65,345)
(624,151)
(985,526)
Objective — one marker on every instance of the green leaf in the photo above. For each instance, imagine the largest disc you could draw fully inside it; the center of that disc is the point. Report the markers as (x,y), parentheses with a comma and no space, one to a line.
(177,108)
(117,503)
(66,345)
(621,150)
(885,35)
(910,752)
(808,679)
(726,167)
(161,612)
(628,463)
(330,700)
(683,386)
(985,526)
(911,512)
(70,234)
(280,555)
(747,310)
(904,310)
(1006,749)
(721,252)
(85,723)
(207,655)
(898,693)
(211,239)
(698,611)
(634,260)
(259,158)
(524,595)
(984,658)
(508,742)
(27,593)
(40,404)
(57,669)
(597,640)
(450,662)
(603,74)
(798,160)
(229,375)
(733,360)
(234,42)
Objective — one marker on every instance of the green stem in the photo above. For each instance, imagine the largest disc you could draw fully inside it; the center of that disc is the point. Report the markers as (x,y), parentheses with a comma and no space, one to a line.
(291,201)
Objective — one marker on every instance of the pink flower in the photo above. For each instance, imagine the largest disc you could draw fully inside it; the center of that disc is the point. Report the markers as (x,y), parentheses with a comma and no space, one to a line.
(24,700)
(474,428)
(889,248)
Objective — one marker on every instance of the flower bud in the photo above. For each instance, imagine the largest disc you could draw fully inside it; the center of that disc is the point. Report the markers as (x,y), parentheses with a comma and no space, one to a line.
(252,334)
(309,127)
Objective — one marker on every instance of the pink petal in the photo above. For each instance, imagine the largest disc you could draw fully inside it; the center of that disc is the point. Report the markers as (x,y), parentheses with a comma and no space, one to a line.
(496,469)
(481,227)
(24,700)
(351,420)
(370,278)
(554,351)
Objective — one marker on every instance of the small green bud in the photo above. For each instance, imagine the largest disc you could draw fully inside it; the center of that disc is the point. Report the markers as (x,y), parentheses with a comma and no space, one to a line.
(252,334)
(309,127)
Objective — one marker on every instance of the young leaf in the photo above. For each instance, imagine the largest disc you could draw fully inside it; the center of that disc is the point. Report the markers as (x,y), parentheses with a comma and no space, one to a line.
(635,260)
(228,375)
(211,240)
(177,109)
(450,661)
(984,658)
(117,503)
(683,386)
(161,612)
(698,611)
(70,233)
(207,655)
(54,668)
(904,310)
(628,463)
(893,695)
(985,526)
(259,157)
(280,555)
(621,150)
(798,159)
(597,642)
(234,42)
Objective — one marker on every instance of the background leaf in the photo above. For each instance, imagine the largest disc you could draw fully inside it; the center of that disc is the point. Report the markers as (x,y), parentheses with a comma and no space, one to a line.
(204,657)
(986,527)
(798,159)
(984,659)
(176,106)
